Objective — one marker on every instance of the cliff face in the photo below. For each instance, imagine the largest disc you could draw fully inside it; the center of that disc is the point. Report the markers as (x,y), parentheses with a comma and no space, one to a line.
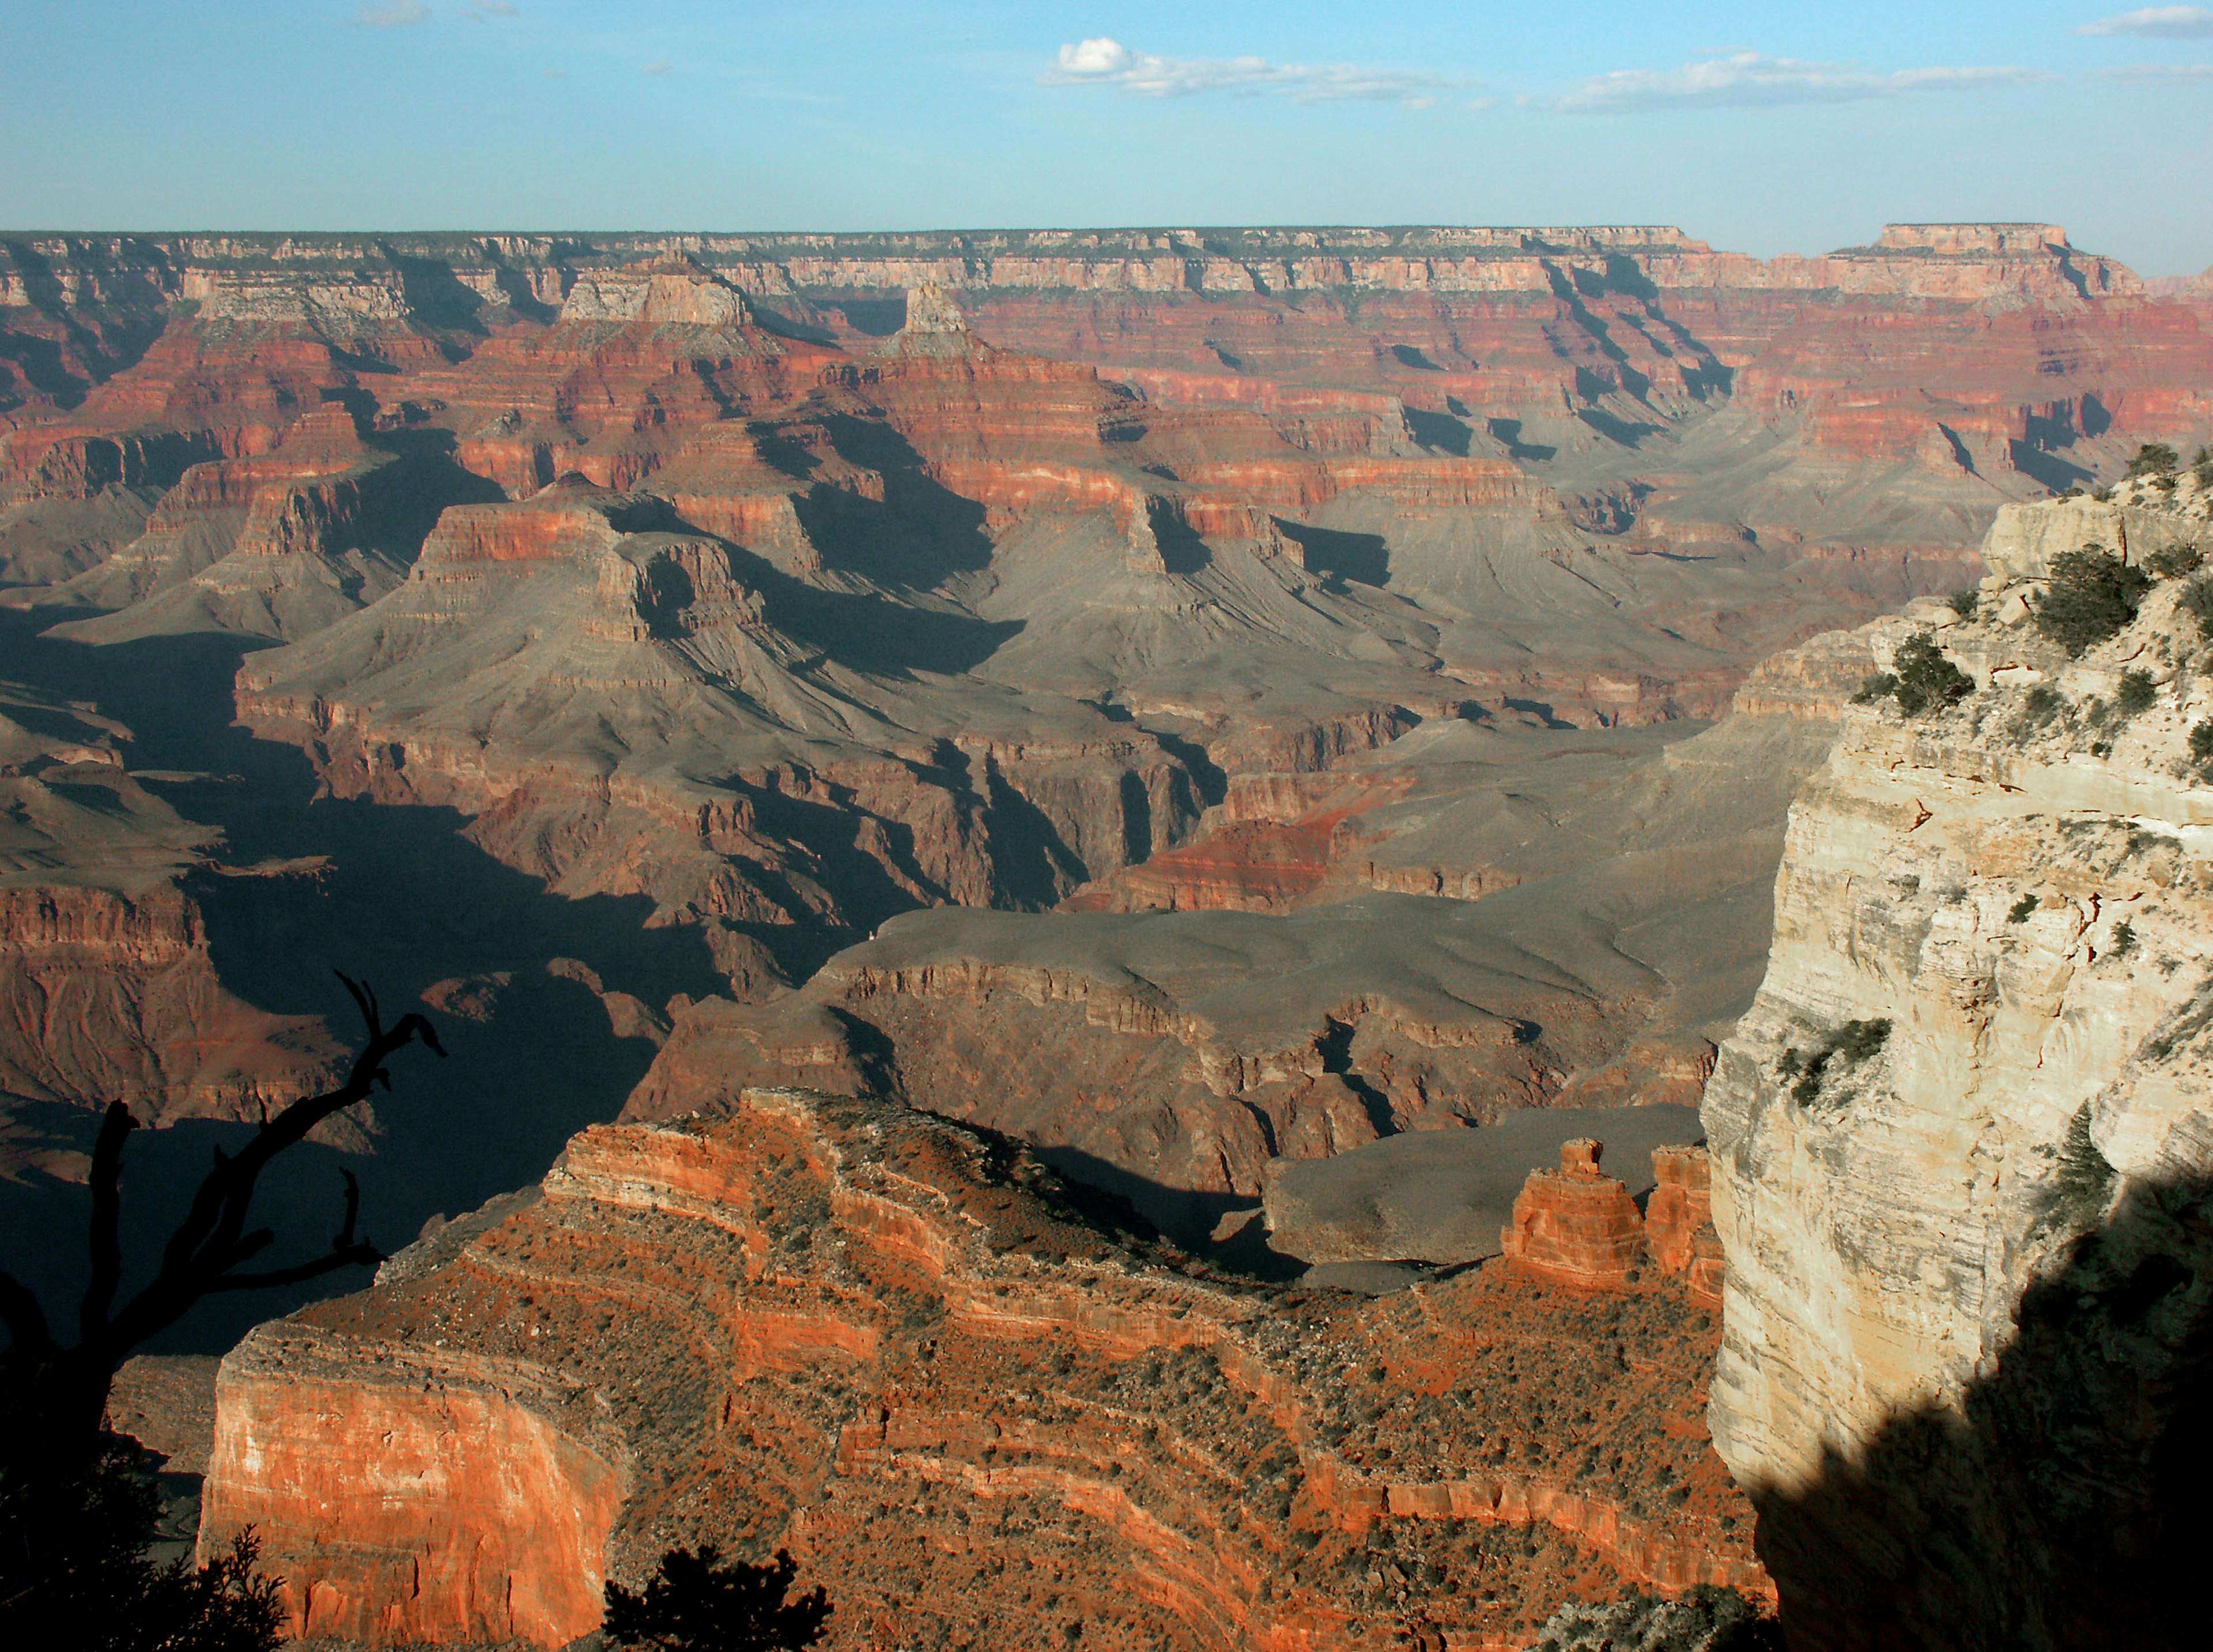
(1961,1140)
(108,991)
(910,1354)
(1929,355)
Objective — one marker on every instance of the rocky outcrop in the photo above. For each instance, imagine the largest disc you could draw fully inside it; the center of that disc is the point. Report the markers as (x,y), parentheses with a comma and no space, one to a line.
(1575,1224)
(1959,1141)
(276,546)
(1681,1206)
(1447,1196)
(910,1354)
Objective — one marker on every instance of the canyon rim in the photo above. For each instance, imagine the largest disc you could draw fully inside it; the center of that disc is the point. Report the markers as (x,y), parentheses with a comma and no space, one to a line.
(1276,938)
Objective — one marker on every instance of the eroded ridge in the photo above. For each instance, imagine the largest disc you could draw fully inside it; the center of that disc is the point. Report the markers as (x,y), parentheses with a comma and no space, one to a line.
(970,1398)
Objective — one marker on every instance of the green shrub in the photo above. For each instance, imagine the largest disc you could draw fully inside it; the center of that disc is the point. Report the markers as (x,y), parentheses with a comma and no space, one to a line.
(2201,741)
(2154,458)
(2137,693)
(2202,467)
(2125,940)
(1876,685)
(2021,908)
(2197,601)
(2093,594)
(1849,1046)
(2172,561)
(1964,602)
(697,1603)
(1926,679)
(2081,1183)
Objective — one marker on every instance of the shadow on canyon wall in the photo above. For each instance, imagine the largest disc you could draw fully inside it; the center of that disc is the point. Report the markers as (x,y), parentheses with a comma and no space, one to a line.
(392,895)
(2061,1507)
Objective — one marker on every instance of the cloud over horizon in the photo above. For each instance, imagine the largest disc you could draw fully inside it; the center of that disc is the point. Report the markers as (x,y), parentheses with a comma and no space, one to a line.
(391,14)
(1755,80)
(1106,62)
(2160,22)
(2154,73)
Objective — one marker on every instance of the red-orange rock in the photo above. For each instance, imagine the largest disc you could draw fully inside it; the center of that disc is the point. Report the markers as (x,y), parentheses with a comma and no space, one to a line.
(902,1349)
(1575,1225)
(1680,1206)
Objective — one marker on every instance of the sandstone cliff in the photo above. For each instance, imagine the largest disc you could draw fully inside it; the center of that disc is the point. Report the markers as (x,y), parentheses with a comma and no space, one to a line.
(968,1404)
(1959,1141)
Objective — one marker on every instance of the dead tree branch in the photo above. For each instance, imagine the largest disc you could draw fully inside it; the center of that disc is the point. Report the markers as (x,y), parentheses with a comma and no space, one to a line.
(205,1254)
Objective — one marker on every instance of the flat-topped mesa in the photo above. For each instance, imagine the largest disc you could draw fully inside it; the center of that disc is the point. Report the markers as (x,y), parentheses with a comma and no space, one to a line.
(1577,1225)
(935,326)
(1973,239)
(673,291)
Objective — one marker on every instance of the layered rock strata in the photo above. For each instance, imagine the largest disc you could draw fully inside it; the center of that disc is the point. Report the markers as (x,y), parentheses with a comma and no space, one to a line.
(1577,1225)
(1959,1141)
(908,1353)
(107,989)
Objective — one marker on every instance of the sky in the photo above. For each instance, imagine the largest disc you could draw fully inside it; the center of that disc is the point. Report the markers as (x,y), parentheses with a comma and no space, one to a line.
(1764,128)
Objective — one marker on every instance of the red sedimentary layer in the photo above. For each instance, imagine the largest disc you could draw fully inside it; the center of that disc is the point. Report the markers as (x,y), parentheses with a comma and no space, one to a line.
(898,1349)
(1680,1206)
(1249,862)
(1579,1227)
(108,997)
(1575,1225)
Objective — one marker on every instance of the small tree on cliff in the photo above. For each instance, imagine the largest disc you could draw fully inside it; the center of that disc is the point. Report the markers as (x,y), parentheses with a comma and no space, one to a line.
(697,1604)
(74,1511)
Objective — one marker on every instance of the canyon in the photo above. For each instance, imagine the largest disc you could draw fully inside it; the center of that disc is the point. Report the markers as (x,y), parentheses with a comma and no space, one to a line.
(973,807)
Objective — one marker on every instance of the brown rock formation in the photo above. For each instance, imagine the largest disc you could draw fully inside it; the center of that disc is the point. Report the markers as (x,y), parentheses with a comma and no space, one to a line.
(905,1351)
(108,991)
(1575,1225)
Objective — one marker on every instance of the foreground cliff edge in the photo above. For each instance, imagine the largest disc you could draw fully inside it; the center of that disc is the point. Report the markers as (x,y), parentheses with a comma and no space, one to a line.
(1961,1146)
(968,1401)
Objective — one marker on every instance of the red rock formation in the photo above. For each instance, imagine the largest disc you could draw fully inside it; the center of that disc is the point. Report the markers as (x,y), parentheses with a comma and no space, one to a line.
(904,1351)
(109,996)
(1681,1206)
(1575,1225)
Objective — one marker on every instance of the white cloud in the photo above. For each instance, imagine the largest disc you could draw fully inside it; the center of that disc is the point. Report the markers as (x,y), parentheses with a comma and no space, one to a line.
(484,10)
(1108,63)
(391,14)
(1752,79)
(659,66)
(2162,22)
(2154,73)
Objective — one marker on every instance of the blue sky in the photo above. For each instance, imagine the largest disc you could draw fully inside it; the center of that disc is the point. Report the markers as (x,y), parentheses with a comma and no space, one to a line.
(1763,128)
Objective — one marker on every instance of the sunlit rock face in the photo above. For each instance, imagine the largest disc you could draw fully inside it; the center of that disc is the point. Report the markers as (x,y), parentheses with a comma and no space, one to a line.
(967,1399)
(1960,1142)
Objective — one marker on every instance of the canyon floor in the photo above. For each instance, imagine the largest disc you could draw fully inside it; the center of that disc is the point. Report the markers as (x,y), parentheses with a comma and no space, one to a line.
(1199,734)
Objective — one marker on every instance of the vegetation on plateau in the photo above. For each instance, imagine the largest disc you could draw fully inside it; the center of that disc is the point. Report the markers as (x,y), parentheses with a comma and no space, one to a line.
(2093,594)
(698,1602)
(1923,680)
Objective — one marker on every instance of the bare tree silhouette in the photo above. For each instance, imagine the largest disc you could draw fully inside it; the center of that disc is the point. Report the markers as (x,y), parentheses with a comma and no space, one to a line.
(56,1394)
